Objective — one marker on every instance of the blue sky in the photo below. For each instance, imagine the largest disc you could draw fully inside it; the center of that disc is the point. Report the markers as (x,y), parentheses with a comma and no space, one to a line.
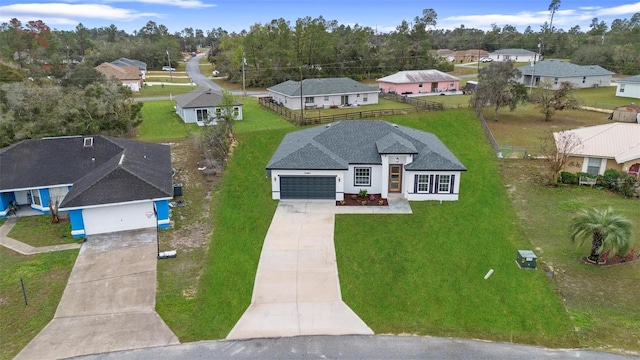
(383,15)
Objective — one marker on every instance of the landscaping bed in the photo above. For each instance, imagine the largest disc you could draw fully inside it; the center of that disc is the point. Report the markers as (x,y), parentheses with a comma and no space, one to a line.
(368,200)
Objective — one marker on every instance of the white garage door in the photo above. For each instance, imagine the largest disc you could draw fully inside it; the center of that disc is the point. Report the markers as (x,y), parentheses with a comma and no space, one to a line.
(118,218)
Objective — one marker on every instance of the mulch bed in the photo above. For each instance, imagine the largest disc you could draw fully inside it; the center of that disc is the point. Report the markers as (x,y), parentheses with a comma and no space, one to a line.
(369,200)
(616,260)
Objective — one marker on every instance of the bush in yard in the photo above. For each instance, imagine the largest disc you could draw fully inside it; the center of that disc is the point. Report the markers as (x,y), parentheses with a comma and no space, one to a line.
(568,178)
(610,178)
(625,184)
(362,193)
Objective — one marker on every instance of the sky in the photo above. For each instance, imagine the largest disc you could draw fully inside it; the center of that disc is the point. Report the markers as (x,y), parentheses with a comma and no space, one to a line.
(381,15)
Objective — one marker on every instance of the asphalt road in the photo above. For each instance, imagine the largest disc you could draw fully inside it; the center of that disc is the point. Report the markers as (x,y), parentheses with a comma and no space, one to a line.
(194,72)
(354,347)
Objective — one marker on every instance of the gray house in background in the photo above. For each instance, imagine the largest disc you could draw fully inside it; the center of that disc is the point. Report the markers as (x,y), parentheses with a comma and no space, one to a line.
(557,71)
(629,87)
(329,161)
(517,55)
(130,62)
(201,105)
(323,93)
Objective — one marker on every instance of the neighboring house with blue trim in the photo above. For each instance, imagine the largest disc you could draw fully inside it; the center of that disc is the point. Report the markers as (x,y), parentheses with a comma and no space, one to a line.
(325,162)
(105,184)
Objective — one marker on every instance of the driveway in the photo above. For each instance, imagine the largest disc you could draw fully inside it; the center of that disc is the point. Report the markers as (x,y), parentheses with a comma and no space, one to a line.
(109,302)
(297,290)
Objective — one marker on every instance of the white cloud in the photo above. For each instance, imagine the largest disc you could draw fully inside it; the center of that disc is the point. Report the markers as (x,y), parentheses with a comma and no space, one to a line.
(185,4)
(620,10)
(61,13)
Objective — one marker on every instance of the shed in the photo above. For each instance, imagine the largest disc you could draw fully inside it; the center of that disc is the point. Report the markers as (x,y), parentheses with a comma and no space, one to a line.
(626,113)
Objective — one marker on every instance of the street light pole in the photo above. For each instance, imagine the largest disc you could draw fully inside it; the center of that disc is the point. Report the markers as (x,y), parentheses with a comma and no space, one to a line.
(244,62)
(170,71)
(301,104)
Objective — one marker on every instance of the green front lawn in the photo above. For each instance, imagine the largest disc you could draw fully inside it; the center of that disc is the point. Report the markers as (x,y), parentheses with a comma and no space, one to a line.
(160,122)
(45,277)
(38,231)
(424,273)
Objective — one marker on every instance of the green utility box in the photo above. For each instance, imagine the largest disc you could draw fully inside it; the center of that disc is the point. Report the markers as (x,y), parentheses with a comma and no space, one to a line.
(526,259)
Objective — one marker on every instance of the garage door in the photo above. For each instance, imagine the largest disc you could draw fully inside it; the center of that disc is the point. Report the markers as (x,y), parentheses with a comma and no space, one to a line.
(118,218)
(307,187)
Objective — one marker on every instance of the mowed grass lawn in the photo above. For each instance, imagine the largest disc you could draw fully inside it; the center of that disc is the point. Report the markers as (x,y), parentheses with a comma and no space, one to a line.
(161,123)
(424,273)
(420,273)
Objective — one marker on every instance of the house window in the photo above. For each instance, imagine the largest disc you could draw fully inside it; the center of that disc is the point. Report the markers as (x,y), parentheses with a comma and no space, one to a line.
(621,88)
(218,112)
(443,183)
(35,195)
(584,79)
(362,176)
(423,183)
(365,98)
(420,85)
(357,95)
(326,98)
(309,100)
(593,166)
(202,115)
(236,111)
(555,81)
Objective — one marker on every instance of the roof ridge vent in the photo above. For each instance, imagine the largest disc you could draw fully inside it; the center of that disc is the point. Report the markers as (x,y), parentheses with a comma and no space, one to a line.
(327,126)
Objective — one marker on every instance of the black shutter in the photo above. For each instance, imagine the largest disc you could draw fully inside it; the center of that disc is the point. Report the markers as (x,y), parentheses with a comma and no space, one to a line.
(453,181)
(436,186)
(415,184)
(431,184)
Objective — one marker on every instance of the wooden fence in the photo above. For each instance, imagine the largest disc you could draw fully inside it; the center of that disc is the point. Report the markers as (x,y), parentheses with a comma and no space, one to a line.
(295,117)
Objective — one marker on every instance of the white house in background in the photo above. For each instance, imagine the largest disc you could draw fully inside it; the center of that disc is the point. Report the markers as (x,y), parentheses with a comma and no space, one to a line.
(556,71)
(628,87)
(516,55)
(200,105)
(322,93)
(325,162)
(129,76)
(602,147)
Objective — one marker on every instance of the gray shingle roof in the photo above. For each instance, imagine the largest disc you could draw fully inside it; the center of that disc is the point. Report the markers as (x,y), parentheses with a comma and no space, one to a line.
(96,173)
(323,86)
(630,80)
(200,98)
(560,69)
(347,142)
(130,62)
(418,76)
(523,52)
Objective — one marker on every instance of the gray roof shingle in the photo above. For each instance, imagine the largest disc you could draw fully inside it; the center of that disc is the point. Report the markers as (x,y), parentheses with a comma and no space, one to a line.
(200,98)
(337,145)
(418,76)
(521,52)
(323,86)
(560,69)
(96,172)
(629,80)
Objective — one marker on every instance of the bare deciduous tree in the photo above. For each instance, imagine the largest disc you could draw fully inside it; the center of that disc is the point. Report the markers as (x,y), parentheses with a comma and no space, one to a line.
(556,149)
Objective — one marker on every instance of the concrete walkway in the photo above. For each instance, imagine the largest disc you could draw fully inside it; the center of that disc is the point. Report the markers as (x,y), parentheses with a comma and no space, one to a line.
(297,290)
(109,302)
(23,248)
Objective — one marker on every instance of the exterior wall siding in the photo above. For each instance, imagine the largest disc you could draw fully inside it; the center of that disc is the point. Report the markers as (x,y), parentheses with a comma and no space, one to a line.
(433,194)
(415,88)
(325,101)
(376,180)
(630,91)
(77,223)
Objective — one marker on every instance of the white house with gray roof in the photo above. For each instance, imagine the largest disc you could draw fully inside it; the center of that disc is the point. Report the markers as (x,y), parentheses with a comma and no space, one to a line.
(329,161)
(519,55)
(322,93)
(628,87)
(556,71)
(202,105)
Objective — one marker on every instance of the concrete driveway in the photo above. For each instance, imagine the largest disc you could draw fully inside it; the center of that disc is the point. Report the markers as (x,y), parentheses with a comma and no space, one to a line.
(297,289)
(109,302)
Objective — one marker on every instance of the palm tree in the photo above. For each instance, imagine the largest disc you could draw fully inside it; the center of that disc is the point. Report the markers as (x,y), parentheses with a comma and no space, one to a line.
(608,231)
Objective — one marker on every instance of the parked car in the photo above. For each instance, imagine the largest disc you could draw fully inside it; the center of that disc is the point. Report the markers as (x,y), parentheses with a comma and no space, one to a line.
(168,68)
(486,59)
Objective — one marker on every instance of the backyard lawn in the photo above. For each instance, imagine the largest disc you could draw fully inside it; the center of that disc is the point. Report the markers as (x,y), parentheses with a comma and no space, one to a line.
(161,123)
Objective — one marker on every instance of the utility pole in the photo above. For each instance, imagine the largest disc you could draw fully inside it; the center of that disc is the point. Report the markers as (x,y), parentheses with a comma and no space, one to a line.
(244,62)
(170,68)
(301,104)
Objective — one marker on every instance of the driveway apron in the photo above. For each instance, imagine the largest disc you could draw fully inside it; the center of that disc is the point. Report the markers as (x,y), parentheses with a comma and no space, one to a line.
(109,302)
(297,290)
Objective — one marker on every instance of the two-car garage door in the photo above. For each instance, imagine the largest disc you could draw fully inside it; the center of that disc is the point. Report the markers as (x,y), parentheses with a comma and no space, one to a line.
(308,187)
